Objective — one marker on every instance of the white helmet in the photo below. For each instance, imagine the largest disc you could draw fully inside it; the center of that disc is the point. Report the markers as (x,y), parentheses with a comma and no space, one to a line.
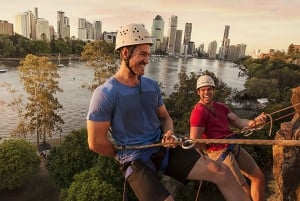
(205,80)
(132,34)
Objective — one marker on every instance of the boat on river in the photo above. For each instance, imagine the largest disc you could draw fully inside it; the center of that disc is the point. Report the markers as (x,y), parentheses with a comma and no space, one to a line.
(59,64)
(3,70)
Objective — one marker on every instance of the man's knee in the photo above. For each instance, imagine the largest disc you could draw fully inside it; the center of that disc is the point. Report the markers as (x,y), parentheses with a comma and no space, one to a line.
(258,176)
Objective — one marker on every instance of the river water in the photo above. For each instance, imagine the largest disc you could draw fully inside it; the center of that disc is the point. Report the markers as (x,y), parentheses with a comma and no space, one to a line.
(75,98)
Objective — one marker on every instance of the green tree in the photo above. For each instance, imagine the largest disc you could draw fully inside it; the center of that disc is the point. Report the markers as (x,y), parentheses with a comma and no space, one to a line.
(18,159)
(7,48)
(39,78)
(102,57)
(39,47)
(71,157)
(62,47)
(87,186)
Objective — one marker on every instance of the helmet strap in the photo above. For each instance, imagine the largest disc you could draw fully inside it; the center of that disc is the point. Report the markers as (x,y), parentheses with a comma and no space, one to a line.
(130,50)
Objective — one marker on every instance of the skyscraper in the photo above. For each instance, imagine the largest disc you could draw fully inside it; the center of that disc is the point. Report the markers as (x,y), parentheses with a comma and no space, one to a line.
(225,42)
(25,24)
(158,32)
(97,30)
(172,34)
(187,37)
(63,27)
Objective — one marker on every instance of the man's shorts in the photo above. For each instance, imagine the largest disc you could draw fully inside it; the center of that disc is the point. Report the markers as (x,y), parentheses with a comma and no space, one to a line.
(240,166)
(181,162)
(147,184)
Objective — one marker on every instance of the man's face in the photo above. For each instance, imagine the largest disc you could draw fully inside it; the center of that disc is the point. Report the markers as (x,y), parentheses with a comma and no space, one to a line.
(206,94)
(140,58)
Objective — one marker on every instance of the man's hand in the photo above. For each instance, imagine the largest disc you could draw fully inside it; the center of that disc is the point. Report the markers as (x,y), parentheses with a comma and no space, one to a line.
(169,139)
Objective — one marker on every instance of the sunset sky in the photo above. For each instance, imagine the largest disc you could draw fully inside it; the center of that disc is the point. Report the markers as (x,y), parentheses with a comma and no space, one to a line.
(260,24)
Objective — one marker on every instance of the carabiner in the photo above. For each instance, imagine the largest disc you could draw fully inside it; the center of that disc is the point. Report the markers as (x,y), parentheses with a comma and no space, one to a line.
(187,144)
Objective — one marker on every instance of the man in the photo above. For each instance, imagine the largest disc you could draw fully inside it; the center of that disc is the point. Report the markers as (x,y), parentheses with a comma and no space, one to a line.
(210,119)
(130,107)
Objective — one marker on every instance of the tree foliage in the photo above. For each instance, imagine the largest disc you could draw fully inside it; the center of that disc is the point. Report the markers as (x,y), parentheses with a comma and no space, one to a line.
(101,56)
(40,80)
(19,46)
(18,159)
(102,182)
(71,157)
(271,78)
(87,186)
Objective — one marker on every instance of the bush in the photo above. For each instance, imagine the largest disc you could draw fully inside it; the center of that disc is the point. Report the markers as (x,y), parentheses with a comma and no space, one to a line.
(88,186)
(18,159)
(71,157)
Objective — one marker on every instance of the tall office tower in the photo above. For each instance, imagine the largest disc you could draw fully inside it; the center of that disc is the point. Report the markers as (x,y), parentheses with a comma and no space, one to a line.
(81,29)
(178,40)
(225,42)
(36,12)
(89,30)
(187,33)
(212,49)
(187,37)
(63,27)
(158,32)
(24,24)
(97,30)
(172,34)
(43,30)
(241,50)
(6,28)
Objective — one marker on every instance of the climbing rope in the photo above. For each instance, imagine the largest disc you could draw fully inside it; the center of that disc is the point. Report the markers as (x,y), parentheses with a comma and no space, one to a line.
(187,143)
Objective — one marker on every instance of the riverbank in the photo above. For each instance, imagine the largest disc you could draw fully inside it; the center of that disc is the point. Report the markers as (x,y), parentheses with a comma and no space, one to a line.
(15,62)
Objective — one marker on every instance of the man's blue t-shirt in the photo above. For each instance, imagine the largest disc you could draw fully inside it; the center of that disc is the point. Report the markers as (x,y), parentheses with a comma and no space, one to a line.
(132,112)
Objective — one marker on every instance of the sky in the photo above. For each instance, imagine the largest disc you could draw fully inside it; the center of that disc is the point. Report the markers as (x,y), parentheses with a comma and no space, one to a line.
(260,24)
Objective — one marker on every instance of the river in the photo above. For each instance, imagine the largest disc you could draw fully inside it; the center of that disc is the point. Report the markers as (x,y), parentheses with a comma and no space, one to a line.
(75,98)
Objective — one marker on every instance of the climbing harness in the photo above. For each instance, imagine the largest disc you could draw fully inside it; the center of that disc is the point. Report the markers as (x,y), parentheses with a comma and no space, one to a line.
(187,143)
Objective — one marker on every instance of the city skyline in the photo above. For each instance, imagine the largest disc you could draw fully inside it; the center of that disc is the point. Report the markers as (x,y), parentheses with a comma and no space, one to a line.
(264,25)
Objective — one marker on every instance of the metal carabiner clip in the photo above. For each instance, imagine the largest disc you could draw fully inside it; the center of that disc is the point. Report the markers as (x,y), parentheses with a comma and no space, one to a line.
(187,144)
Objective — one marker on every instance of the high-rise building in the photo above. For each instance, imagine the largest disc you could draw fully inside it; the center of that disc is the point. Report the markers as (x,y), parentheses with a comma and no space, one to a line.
(6,28)
(158,32)
(89,31)
(212,49)
(25,24)
(172,34)
(187,33)
(187,37)
(225,37)
(178,40)
(42,30)
(81,29)
(63,27)
(97,30)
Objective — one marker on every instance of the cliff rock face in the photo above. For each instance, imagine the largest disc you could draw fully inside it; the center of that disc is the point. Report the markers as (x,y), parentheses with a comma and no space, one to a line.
(286,165)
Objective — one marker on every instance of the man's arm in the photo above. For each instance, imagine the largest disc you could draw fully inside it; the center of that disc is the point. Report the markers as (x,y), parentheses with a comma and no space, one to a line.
(166,121)
(98,140)
(196,133)
(242,123)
